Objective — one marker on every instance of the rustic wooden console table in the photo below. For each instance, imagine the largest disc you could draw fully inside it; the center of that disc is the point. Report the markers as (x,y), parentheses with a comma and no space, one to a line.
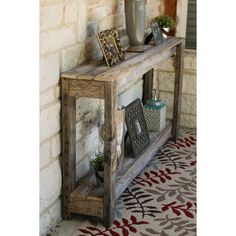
(96,80)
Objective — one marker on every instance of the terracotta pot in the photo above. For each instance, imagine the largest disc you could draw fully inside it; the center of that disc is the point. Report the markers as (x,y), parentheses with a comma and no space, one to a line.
(135,21)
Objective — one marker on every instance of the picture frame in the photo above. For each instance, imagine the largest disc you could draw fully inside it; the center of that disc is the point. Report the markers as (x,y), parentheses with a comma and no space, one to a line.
(136,127)
(110,45)
(156,32)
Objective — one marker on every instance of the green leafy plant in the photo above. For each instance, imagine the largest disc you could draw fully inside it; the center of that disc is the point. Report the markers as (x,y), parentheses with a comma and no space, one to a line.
(165,21)
(98,162)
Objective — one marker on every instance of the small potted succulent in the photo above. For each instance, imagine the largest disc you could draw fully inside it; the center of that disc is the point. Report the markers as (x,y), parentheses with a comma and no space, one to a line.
(166,23)
(98,166)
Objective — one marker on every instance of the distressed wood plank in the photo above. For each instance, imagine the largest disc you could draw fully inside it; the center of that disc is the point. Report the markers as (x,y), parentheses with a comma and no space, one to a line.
(86,88)
(68,117)
(147,85)
(85,186)
(179,63)
(87,207)
(136,166)
(110,152)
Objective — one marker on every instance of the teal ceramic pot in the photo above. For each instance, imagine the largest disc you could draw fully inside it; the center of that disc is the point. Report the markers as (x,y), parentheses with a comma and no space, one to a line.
(135,21)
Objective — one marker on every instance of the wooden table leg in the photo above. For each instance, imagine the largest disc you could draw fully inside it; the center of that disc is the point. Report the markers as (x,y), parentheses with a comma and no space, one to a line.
(179,60)
(68,123)
(147,85)
(110,92)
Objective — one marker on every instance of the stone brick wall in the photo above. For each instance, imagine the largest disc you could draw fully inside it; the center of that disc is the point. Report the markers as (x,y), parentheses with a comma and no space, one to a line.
(165,87)
(67,38)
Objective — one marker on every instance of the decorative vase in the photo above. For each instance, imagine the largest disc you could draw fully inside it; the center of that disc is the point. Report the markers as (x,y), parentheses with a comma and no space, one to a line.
(135,21)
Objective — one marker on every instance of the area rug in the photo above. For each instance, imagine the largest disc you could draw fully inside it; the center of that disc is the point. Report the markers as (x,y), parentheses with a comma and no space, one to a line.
(161,200)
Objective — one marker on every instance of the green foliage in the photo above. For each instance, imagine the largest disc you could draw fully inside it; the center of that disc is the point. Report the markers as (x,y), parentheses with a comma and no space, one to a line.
(165,21)
(98,162)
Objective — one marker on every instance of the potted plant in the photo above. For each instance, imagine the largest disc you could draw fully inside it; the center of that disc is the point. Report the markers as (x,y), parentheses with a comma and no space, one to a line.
(98,166)
(166,23)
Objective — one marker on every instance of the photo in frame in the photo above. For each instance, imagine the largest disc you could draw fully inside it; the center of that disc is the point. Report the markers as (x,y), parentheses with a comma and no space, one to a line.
(157,34)
(112,50)
(136,127)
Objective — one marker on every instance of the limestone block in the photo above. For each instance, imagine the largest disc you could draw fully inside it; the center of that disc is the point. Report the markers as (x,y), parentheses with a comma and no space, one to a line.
(86,125)
(44,224)
(50,2)
(51,16)
(167,98)
(86,108)
(188,121)
(70,58)
(188,104)
(71,11)
(92,28)
(49,121)
(55,212)
(57,39)
(83,167)
(86,144)
(46,97)
(189,83)
(49,218)
(56,145)
(82,20)
(49,71)
(190,60)
(45,154)
(167,65)
(166,81)
(135,91)
(50,185)
(100,12)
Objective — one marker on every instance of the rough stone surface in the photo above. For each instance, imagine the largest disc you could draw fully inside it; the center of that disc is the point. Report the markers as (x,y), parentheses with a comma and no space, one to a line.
(44,224)
(166,80)
(83,146)
(82,20)
(188,104)
(83,166)
(131,94)
(56,145)
(188,121)
(57,39)
(50,185)
(70,57)
(45,154)
(47,97)
(49,121)
(71,11)
(189,83)
(49,71)
(51,16)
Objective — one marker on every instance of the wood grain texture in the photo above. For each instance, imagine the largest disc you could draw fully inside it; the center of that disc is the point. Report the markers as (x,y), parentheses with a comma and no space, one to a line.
(179,63)
(97,81)
(135,167)
(87,207)
(68,117)
(110,152)
(86,88)
(147,85)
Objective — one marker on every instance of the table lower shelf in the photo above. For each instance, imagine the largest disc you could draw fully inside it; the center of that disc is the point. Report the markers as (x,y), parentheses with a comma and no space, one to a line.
(87,198)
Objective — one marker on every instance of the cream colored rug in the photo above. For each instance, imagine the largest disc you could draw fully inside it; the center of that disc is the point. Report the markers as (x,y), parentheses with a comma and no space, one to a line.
(161,200)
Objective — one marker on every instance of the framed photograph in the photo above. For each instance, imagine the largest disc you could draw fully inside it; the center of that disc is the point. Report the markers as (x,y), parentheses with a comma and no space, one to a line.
(111,48)
(136,127)
(157,34)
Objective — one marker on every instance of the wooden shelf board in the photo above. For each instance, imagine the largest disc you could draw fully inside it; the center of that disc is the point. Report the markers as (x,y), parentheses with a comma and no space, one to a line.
(87,198)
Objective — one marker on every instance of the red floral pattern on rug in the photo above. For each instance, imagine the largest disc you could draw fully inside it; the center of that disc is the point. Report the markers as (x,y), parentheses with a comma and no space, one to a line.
(161,200)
